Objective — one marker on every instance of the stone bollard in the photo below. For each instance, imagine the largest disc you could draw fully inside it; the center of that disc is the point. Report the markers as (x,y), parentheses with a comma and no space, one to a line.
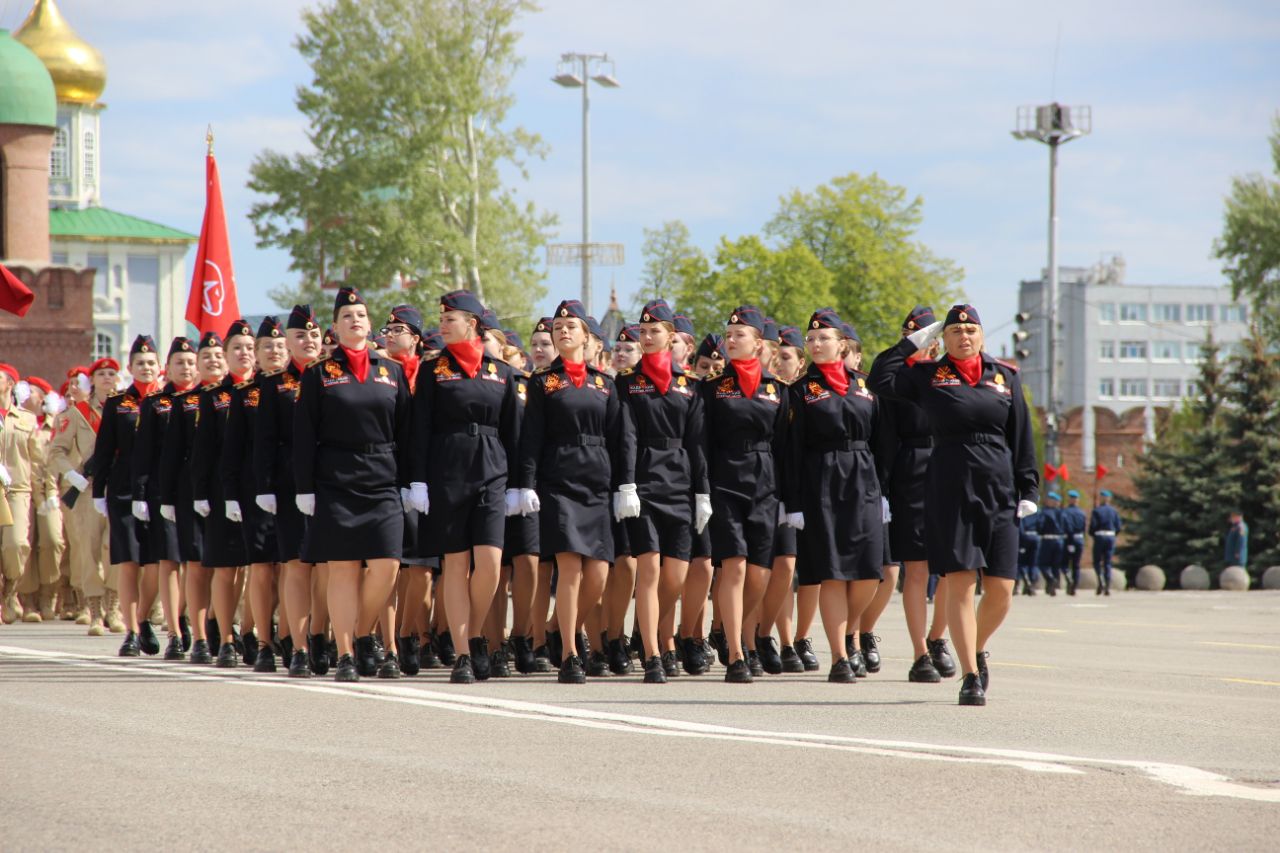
(1271,578)
(1150,579)
(1194,577)
(1089,580)
(1119,582)
(1234,578)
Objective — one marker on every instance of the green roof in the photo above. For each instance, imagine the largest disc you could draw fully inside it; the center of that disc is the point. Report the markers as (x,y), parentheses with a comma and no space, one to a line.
(27,96)
(98,223)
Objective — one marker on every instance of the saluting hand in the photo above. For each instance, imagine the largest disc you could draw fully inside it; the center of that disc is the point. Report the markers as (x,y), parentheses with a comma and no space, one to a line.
(926,336)
(1026,508)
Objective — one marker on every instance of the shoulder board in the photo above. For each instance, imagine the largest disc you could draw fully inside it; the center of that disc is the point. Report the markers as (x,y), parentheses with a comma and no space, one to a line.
(272,373)
(1008,364)
(626,371)
(117,394)
(525,374)
(245,384)
(541,370)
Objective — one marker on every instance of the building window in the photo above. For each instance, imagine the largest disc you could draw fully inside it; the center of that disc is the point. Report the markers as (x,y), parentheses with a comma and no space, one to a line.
(100,280)
(1168,389)
(90,158)
(1166,312)
(1167,350)
(1106,387)
(58,259)
(1107,312)
(1133,388)
(59,157)
(1233,314)
(1106,350)
(1193,388)
(1199,313)
(1133,312)
(104,346)
(1133,350)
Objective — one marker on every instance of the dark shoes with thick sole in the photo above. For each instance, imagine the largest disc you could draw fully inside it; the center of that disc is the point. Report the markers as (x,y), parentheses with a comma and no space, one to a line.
(299,666)
(346,669)
(870,644)
(174,651)
(841,672)
(318,654)
(767,651)
(147,640)
(462,671)
(130,647)
(943,662)
(738,672)
(923,671)
(266,660)
(971,692)
(791,660)
(804,648)
(200,652)
(571,671)
(227,657)
(655,672)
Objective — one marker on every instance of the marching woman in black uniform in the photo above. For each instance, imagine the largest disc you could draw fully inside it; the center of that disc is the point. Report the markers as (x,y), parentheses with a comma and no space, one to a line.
(466,425)
(113,496)
(832,490)
(981,478)
(746,415)
(542,351)
(148,445)
(239,487)
(621,585)
(176,490)
(569,441)
(350,448)
(521,553)
(664,485)
(273,484)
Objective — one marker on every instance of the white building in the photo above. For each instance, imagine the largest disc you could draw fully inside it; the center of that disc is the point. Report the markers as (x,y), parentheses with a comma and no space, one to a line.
(1124,346)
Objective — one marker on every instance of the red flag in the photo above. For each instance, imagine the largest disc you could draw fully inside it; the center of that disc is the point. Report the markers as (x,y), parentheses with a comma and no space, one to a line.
(1103,470)
(1063,472)
(212,305)
(1050,472)
(15,297)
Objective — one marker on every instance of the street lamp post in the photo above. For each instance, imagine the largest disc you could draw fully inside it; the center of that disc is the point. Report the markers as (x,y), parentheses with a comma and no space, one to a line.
(1053,124)
(574,71)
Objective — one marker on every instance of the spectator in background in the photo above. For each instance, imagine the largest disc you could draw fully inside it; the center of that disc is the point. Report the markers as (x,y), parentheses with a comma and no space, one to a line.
(1237,550)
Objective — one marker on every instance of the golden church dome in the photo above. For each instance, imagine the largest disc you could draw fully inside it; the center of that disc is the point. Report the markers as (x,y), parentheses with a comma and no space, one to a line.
(78,72)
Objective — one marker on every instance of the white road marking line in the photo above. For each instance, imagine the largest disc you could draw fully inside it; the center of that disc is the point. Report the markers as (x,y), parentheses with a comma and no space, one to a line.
(1238,645)
(1044,630)
(1091,606)
(1251,681)
(1190,780)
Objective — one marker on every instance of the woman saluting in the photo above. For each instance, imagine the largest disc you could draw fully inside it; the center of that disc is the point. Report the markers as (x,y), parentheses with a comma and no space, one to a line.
(350,440)
(982,475)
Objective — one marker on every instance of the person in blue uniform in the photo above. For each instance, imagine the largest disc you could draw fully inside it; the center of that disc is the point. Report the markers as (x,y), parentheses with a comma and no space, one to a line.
(1028,552)
(831,485)
(1104,525)
(664,492)
(1053,542)
(982,475)
(177,492)
(153,421)
(131,549)
(350,460)
(745,419)
(466,429)
(907,442)
(568,446)
(1075,522)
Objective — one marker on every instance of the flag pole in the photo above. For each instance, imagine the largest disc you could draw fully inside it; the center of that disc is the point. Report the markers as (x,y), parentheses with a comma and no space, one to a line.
(208,138)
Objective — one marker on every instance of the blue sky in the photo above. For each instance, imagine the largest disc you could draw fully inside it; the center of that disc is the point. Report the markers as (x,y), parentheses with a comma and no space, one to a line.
(725,106)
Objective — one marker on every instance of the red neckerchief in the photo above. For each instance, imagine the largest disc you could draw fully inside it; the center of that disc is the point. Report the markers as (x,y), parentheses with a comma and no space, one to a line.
(918,355)
(836,375)
(468,354)
(576,371)
(236,380)
(657,366)
(145,390)
(299,366)
(183,389)
(409,361)
(358,362)
(40,421)
(748,370)
(970,369)
(94,419)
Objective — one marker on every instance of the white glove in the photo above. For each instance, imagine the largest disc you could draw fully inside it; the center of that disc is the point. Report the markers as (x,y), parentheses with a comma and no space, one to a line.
(885,515)
(418,497)
(141,512)
(796,520)
(169,513)
(701,511)
(233,512)
(922,338)
(529,503)
(1026,508)
(4,476)
(75,478)
(306,504)
(782,513)
(513,502)
(626,502)
(54,404)
(22,392)
(202,508)
(266,503)
(50,504)
(100,504)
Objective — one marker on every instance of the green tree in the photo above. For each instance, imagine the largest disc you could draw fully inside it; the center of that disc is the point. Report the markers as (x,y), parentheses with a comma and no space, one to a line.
(1250,243)
(669,258)
(401,193)
(1253,425)
(1186,481)
(862,230)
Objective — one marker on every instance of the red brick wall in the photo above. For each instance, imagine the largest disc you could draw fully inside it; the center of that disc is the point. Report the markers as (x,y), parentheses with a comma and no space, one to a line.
(57,332)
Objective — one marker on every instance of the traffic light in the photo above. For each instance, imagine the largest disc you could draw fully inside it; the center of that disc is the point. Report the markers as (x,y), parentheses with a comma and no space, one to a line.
(1021,336)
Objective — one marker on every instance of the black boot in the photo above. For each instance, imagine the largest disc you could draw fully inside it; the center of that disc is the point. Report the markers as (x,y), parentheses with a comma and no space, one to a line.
(654,671)
(694,663)
(523,658)
(555,648)
(670,664)
(619,660)
(444,648)
(754,664)
(943,662)
(346,669)
(804,648)
(870,651)
(542,659)
(462,671)
(982,670)
(971,692)
(720,643)
(130,648)
(184,627)
(858,663)
(390,666)
(770,659)
(249,648)
(410,655)
(480,664)
(571,671)
(635,646)
(428,656)
(923,671)
(738,672)
(266,660)
(841,672)
(499,665)
(200,652)
(318,654)
(298,665)
(147,640)
(366,660)
(174,650)
(227,657)
(791,660)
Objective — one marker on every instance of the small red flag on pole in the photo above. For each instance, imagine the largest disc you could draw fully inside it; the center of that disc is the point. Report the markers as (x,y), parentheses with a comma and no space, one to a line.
(1063,472)
(1050,472)
(1102,471)
(15,297)
(212,305)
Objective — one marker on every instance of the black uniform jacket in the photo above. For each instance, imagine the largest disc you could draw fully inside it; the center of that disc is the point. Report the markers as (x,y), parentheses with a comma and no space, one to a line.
(744,438)
(223,541)
(113,451)
(236,470)
(662,442)
(148,444)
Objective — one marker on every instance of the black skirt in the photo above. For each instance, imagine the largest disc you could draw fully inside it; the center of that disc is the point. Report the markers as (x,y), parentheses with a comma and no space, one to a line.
(259,532)
(130,538)
(784,541)
(164,535)
(576,525)
(522,537)
(290,527)
(742,528)
(358,511)
(462,518)
(843,535)
(907,487)
(190,528)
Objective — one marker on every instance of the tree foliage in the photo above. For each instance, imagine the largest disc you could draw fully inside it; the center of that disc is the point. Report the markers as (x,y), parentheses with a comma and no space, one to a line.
(401,192)
(1250,243)
(1253,427)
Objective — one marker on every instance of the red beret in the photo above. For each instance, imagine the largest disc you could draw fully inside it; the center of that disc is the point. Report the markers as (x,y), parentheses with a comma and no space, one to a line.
(11,370)
(107,363)
(39,383)
(75,371)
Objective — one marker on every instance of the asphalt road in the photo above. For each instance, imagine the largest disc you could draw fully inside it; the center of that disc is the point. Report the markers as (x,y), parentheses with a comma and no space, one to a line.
(1142,721)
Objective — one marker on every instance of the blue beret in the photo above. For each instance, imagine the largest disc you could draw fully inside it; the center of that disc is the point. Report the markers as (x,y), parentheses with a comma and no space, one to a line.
(1073,494)
(1054,495)
(1106,493)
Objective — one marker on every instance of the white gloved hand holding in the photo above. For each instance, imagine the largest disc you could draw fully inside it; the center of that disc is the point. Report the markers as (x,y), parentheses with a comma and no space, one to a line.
(76,479)
(701,511)
(796,520)
(266,503)
(513,502)
(169,513)
(202,508)
(233,512)
(529,502)
(1026,508)
(54,404)
(4,476)
(922,338)
(306,504)
(886,515)
(100,504)
(418,497)
(141,511)
(626,502)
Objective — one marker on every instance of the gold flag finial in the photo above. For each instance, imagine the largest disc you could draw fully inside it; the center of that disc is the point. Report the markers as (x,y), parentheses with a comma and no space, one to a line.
(208,137)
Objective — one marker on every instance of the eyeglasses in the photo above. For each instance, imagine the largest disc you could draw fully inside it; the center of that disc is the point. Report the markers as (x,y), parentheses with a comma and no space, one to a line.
(395,330)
